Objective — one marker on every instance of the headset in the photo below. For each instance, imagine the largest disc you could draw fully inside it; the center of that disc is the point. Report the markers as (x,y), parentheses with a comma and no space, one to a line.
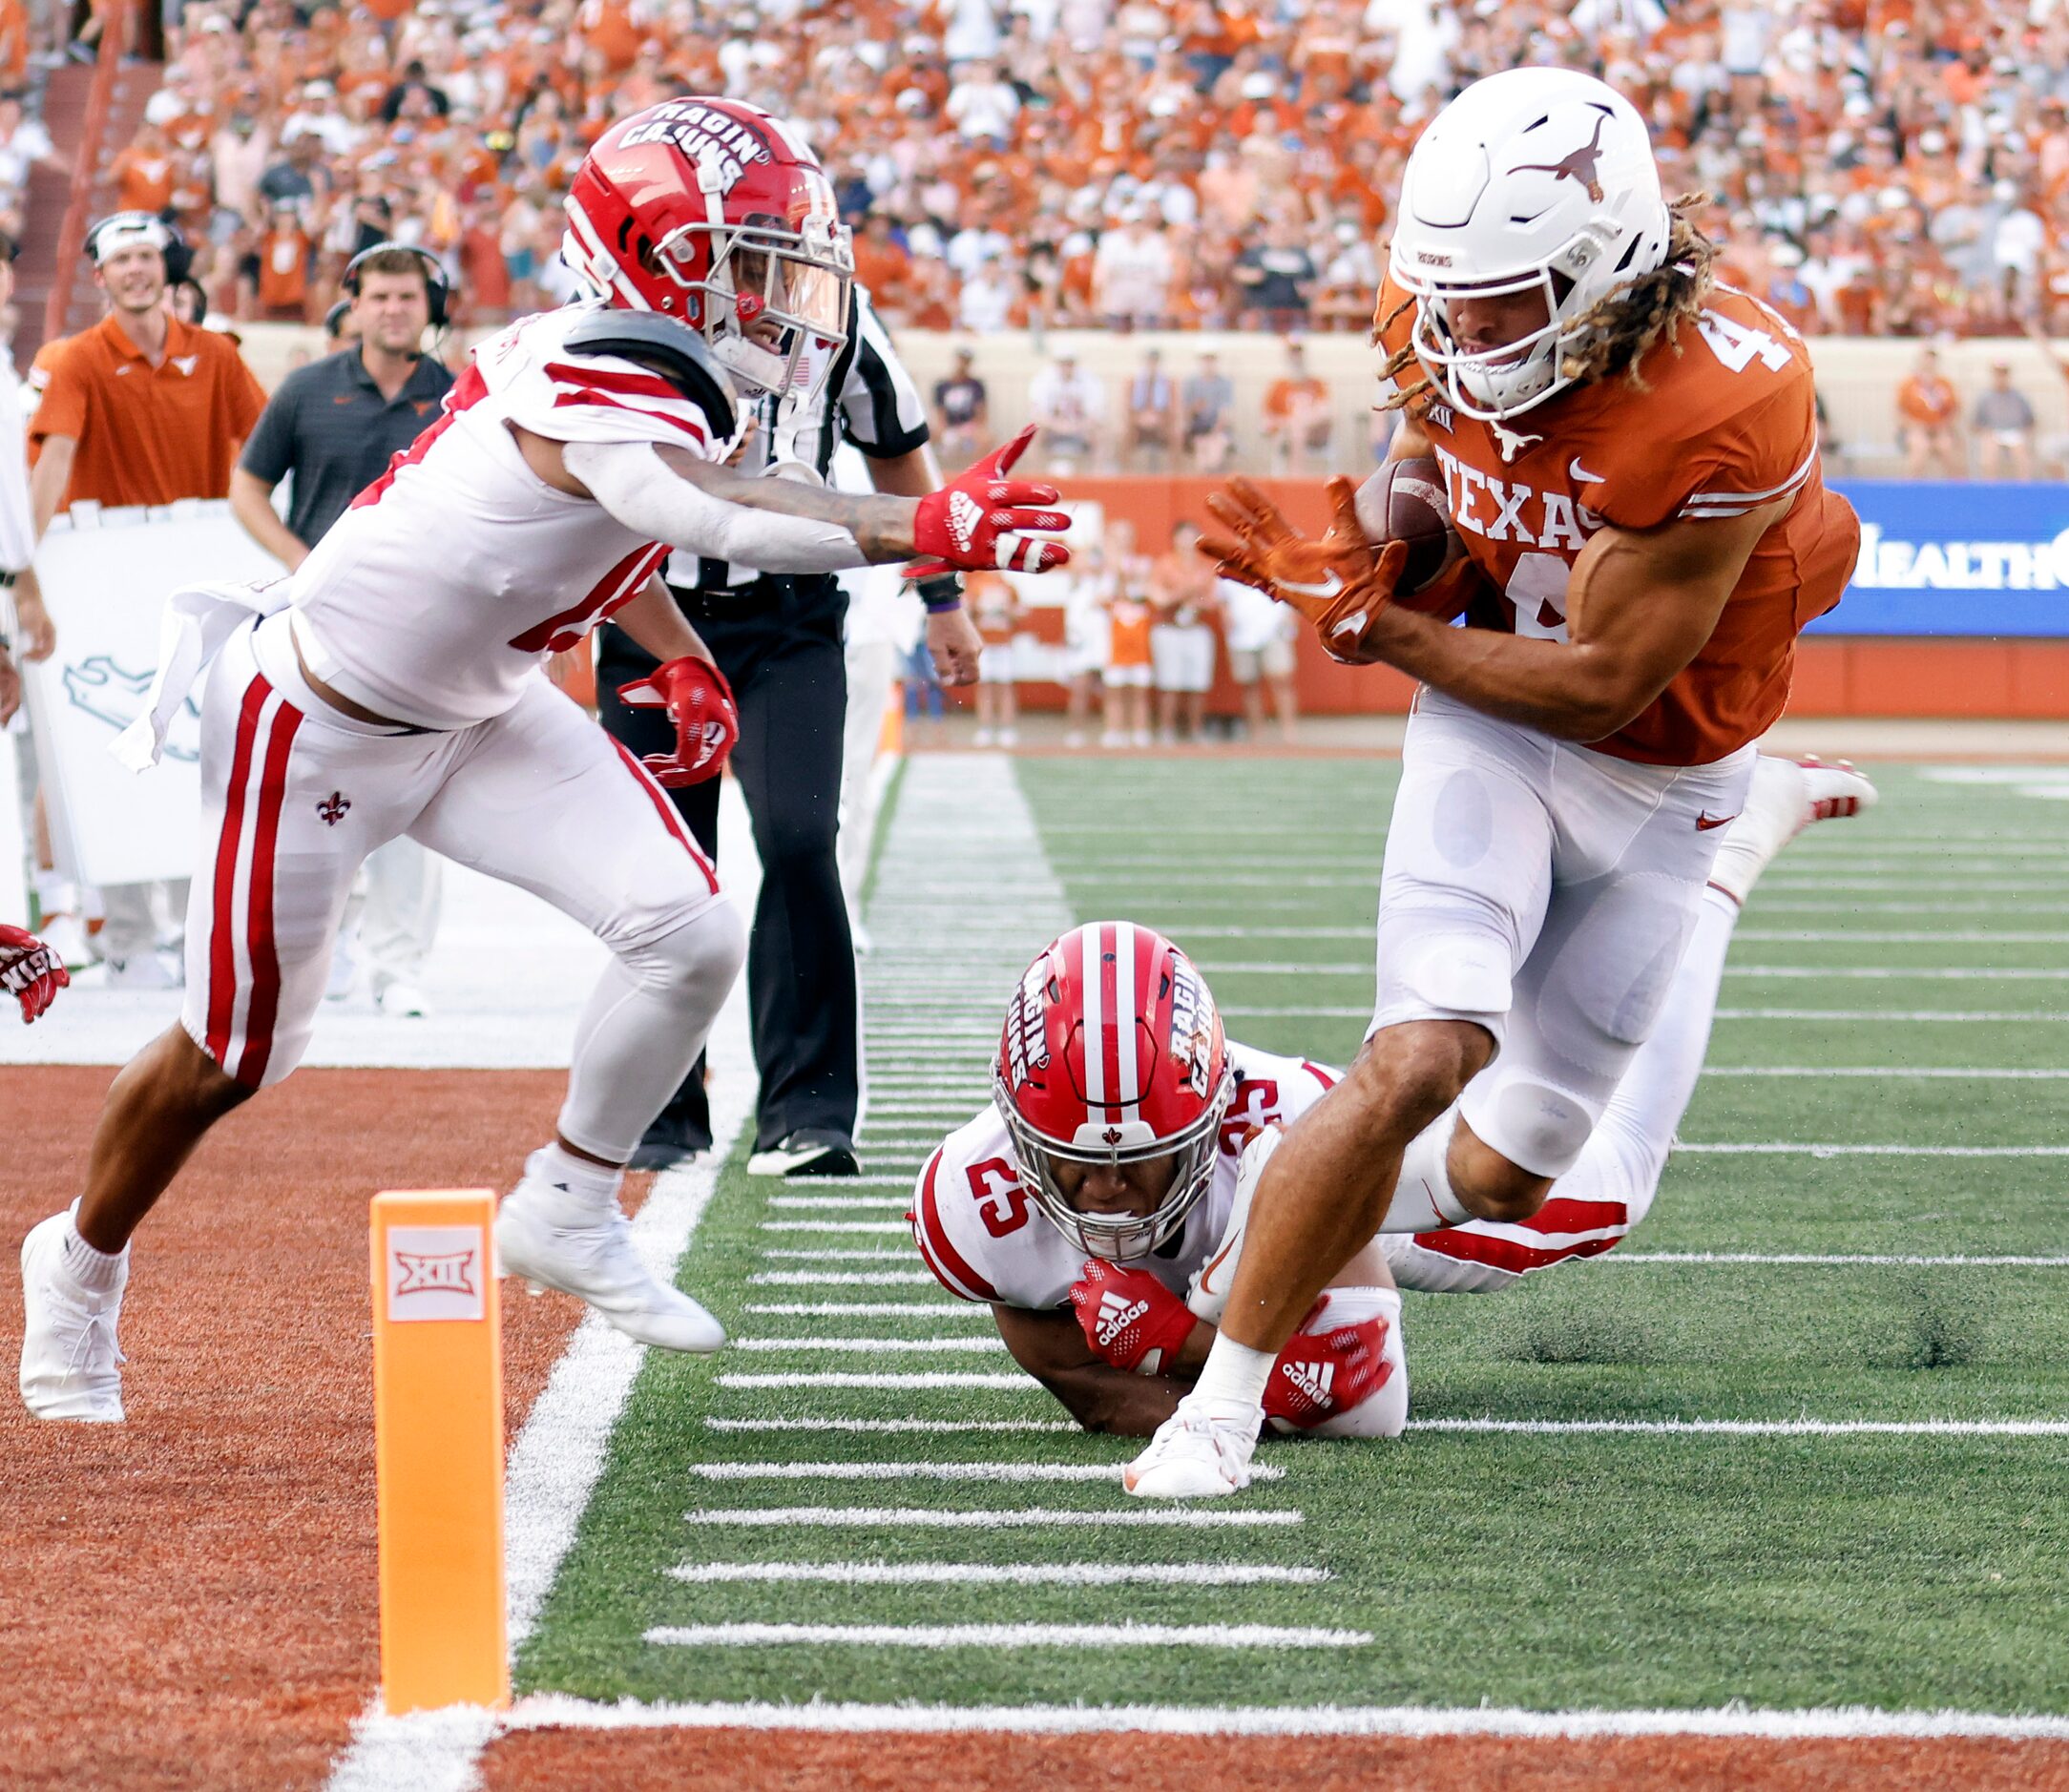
(437,289)
(162,234)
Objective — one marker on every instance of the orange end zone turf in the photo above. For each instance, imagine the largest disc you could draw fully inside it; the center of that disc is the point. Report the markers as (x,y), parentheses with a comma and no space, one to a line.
(438,1450)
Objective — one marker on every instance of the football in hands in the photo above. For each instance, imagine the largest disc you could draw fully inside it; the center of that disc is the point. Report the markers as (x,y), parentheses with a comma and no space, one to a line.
(1404,501)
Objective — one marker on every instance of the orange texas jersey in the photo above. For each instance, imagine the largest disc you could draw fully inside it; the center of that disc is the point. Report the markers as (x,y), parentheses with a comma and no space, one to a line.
(1723,426)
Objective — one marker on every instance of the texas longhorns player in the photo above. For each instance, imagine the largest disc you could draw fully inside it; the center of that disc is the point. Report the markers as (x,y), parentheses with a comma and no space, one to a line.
(393,684)
(1631,455)
(1124,1118)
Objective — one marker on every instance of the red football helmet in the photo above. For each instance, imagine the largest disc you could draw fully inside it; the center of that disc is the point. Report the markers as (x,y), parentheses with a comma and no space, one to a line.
(1114,1053)
(711,210)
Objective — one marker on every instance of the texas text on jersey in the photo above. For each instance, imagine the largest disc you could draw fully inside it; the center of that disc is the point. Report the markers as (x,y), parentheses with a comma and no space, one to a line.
(457,571)
(1725,423)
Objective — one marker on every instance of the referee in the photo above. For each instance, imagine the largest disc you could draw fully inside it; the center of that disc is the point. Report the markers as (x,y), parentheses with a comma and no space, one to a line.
(334,425)
(778,642)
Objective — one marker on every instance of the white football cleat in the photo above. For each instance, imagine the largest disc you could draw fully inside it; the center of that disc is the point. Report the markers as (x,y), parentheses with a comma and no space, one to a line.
(1785,797)
(552,1237)
(401,1000)
(72,1366)
(1196,1455)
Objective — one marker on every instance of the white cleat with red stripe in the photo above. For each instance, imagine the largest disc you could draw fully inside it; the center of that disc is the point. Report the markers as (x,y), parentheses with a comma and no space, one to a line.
(1786,796)
(1197,1454)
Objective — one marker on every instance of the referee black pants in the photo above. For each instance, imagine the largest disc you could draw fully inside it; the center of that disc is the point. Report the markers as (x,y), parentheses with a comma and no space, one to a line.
(778,642)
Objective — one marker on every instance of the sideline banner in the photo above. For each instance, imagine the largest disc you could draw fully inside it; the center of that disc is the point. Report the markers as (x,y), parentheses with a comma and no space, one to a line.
(106,575)
(1970,559)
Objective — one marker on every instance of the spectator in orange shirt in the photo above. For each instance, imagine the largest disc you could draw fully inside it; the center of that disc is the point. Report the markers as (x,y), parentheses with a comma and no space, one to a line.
(144,173)
(1927,407)
(141,409)
(1130,665)
(883,265)
(1297,415)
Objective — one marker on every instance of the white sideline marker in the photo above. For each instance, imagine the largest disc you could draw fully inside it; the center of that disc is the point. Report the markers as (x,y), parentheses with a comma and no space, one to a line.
(991,1574)
(1009,1636)
(835,1225)
(873,1254)
(843,1277)
(1006,1518)
(1069,1471)
(834,1203)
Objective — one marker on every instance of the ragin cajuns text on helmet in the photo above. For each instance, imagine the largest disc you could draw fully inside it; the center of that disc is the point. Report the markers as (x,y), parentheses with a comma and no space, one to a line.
(1113,1052)
(715,212)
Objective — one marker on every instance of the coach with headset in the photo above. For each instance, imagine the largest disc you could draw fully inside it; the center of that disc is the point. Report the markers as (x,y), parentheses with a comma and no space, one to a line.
(334,425)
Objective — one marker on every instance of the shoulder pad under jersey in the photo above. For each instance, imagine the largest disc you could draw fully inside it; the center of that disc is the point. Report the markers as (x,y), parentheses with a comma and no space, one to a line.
(671,347)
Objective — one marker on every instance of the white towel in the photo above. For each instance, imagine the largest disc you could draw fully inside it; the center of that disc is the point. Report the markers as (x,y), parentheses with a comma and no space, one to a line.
(198,621)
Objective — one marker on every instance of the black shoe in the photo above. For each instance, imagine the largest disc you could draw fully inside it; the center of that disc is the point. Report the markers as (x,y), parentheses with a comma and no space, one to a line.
(807,1152)
(670,1141)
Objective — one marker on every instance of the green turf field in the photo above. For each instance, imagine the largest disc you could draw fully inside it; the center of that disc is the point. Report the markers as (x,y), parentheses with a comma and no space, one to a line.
(1553,1567)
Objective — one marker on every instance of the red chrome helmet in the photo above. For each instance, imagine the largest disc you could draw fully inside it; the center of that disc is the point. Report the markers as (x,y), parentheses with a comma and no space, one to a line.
(1113,1053)
(711,210)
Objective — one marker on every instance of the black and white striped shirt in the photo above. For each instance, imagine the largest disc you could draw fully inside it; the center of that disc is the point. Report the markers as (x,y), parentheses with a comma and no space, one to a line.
(868,398)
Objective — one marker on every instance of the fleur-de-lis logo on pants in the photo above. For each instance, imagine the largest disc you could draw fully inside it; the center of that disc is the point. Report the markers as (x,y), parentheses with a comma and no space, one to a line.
(331,810)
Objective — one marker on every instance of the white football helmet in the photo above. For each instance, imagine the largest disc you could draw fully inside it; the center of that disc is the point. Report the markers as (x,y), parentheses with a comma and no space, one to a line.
(1532,178)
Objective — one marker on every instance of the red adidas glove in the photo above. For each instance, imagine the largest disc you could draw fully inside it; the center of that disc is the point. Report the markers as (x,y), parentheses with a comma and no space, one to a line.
(1130,1318)
(982,519)
(30,972)
(1321,1373)
(699,703)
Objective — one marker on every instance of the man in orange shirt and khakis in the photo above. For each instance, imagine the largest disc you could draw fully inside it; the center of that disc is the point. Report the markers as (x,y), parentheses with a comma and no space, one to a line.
(140,409)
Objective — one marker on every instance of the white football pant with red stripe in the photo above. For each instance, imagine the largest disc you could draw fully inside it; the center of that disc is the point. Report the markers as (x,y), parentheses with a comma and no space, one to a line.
(294,797)
(1610,1189)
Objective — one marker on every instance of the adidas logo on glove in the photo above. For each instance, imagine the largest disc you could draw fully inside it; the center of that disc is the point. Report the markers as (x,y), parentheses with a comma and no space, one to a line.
(1116,1313)
(1312,1379)
(965,514)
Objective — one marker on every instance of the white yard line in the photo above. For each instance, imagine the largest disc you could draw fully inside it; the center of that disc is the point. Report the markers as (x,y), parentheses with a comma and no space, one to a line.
(1890,1072)
(996,1574)
(2043,974)
(830,1203)
(916,1382)
(1237,1010)
(889,1346)
(1017,1518)
(843,1277)
(1792,1149)
(1755,1428)
(1851,1722)
(1837,1259)
(833,1226)
(867,1309)
(1061,1471)
(872,1427)
(1007,1635)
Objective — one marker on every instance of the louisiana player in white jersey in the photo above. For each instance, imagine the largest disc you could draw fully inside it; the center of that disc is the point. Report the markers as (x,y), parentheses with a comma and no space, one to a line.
(395,685)
(1124,1117)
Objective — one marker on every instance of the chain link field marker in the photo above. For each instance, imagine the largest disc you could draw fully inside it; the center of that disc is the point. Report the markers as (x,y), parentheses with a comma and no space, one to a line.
(438,1450)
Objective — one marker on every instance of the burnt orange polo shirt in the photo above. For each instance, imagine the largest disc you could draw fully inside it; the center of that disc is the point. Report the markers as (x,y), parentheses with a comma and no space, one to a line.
(145,434)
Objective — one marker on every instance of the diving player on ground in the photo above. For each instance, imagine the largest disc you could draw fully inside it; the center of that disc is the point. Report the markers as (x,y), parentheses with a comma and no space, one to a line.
(1123,1118)
(399,689)
(1631,455)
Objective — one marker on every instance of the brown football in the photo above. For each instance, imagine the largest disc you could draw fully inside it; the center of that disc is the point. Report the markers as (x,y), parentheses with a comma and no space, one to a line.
(1404,501)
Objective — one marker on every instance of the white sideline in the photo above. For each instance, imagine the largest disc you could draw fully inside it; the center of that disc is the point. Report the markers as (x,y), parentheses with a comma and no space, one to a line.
(1128,1636)
(557,1711)
(1008,1574)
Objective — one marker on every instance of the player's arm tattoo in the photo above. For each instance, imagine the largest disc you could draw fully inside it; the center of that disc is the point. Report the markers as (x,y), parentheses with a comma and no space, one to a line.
(882,525)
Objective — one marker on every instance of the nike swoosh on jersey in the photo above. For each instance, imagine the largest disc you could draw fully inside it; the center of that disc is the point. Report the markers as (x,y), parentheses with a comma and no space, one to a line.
(1705,821)
(1575,470)
(1329,589)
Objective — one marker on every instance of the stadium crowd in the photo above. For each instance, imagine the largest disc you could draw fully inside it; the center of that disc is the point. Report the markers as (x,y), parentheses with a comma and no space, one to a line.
(1877,166)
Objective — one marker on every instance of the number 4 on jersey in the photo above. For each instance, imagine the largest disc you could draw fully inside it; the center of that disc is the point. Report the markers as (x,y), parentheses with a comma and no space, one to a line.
(1738,345)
